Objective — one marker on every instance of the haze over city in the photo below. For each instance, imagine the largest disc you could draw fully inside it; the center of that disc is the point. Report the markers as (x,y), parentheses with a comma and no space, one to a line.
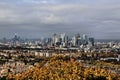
(41,18)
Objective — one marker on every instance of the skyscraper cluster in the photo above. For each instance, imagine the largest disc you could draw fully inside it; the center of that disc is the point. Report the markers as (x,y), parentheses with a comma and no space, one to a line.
(56,40)
(64,40)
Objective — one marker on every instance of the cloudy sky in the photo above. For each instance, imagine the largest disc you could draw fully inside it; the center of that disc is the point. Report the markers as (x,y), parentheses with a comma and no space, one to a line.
(42,18)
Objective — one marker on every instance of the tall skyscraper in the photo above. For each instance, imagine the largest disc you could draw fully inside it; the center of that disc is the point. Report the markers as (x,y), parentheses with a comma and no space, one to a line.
(85,39)
(54,39)
(74,41)
(91,41)
(78,42)
(64,40)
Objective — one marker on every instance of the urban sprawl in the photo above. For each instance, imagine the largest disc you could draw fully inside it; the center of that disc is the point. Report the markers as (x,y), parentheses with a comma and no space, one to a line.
(18,55)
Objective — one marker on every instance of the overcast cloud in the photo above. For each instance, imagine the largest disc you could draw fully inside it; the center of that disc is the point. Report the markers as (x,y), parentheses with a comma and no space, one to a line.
(42,18)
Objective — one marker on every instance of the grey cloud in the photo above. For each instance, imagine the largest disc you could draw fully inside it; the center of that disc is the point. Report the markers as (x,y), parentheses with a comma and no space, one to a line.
(38,20)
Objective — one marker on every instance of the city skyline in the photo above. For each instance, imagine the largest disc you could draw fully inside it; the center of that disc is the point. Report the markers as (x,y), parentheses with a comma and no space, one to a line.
(42,18)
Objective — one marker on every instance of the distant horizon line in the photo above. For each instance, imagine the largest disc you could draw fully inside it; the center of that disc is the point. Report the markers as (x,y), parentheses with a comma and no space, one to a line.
(58,34)
(96,39)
